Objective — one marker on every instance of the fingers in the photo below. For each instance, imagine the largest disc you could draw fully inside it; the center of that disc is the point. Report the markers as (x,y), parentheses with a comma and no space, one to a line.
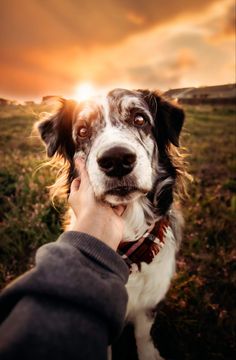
(75,185)
(83,183)
(80,166)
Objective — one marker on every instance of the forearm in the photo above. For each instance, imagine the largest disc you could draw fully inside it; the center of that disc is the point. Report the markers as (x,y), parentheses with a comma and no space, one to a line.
(71,304)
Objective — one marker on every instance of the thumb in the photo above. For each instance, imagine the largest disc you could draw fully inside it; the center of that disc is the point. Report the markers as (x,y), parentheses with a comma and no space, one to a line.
(75,184)
(80,166)
(84,178)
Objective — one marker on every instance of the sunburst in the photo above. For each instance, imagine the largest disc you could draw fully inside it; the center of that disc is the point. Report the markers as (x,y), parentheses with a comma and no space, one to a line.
(84,91)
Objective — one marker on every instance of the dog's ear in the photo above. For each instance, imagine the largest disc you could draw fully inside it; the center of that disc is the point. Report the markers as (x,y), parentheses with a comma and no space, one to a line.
(56,131)
(168,117)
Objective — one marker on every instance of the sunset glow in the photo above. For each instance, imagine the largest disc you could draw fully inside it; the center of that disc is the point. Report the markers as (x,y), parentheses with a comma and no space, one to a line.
(83,91)
(146,45)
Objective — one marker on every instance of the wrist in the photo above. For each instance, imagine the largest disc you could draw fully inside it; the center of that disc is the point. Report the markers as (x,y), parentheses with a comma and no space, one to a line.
(95,226)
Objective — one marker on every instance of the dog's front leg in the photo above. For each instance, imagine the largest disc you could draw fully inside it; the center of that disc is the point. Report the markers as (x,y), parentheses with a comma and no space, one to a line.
(145,345)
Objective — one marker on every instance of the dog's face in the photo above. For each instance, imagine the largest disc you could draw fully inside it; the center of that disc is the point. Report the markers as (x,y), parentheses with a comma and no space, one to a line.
(124,139)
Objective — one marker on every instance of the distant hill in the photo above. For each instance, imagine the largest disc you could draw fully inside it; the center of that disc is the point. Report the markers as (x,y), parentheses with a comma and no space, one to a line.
(4,102)
(219,94)
(212,95)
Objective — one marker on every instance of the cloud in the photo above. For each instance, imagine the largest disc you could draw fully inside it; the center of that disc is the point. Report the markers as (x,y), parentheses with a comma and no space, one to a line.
(163,74)
(153,77)
(222,27)
(184,60)
(85,23)
(49,47)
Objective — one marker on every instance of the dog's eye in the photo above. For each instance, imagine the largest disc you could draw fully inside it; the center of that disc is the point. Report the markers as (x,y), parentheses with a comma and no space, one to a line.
(139,120)
(83,132)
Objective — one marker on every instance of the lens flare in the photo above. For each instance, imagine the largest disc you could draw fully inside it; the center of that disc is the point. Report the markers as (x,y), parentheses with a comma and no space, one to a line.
(84,91)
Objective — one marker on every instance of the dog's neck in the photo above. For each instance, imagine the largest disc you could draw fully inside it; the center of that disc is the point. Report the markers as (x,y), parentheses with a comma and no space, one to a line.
(138,217)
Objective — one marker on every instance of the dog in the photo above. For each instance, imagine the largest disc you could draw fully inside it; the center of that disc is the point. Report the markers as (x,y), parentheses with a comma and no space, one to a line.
(129,140)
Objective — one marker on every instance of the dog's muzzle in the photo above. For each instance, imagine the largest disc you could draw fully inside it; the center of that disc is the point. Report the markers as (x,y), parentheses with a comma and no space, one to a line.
(118,161)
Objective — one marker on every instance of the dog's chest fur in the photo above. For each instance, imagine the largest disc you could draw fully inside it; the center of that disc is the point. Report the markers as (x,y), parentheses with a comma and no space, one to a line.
(149,280)
(149,285)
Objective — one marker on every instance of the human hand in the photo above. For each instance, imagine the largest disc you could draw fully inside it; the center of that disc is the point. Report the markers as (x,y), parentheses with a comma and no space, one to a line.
(94,217)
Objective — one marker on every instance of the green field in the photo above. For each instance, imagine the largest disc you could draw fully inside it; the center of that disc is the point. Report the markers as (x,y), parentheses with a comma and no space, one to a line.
(197,320)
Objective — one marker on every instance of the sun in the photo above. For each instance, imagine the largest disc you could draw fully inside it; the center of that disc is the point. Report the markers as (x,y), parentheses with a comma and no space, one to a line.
(83,91)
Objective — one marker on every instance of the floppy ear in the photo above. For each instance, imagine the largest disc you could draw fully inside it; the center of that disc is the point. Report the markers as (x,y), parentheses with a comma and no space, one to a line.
(168,117)
(56,131)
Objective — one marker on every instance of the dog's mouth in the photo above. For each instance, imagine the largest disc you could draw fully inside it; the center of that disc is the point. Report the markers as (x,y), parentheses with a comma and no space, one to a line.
(122,191)
(122,195)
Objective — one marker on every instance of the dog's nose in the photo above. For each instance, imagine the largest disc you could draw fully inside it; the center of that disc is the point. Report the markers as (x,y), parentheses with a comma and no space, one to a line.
(117,161)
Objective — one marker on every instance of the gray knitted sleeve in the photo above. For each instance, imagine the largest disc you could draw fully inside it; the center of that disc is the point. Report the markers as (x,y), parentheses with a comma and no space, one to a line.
(71,305)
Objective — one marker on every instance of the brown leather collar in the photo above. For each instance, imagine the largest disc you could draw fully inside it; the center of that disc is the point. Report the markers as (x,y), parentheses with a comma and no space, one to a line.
(145,248)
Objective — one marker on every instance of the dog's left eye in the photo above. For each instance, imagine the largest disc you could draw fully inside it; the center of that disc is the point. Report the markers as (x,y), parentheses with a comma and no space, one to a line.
(139,120)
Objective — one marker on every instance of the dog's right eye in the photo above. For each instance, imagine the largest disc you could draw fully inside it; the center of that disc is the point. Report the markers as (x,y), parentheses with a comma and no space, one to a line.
(83,132)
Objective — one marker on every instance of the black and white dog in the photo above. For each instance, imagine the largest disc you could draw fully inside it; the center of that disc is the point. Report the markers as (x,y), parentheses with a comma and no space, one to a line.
(129,140)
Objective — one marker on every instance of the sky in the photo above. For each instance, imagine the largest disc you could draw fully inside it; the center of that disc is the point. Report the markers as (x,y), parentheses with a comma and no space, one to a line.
(50,47)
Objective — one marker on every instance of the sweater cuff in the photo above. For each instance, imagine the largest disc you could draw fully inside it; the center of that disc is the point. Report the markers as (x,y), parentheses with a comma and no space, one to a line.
(96,249)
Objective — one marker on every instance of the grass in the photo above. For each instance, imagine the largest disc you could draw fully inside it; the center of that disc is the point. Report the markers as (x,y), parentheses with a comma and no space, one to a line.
(199,313)
(27,217)
(197,318)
